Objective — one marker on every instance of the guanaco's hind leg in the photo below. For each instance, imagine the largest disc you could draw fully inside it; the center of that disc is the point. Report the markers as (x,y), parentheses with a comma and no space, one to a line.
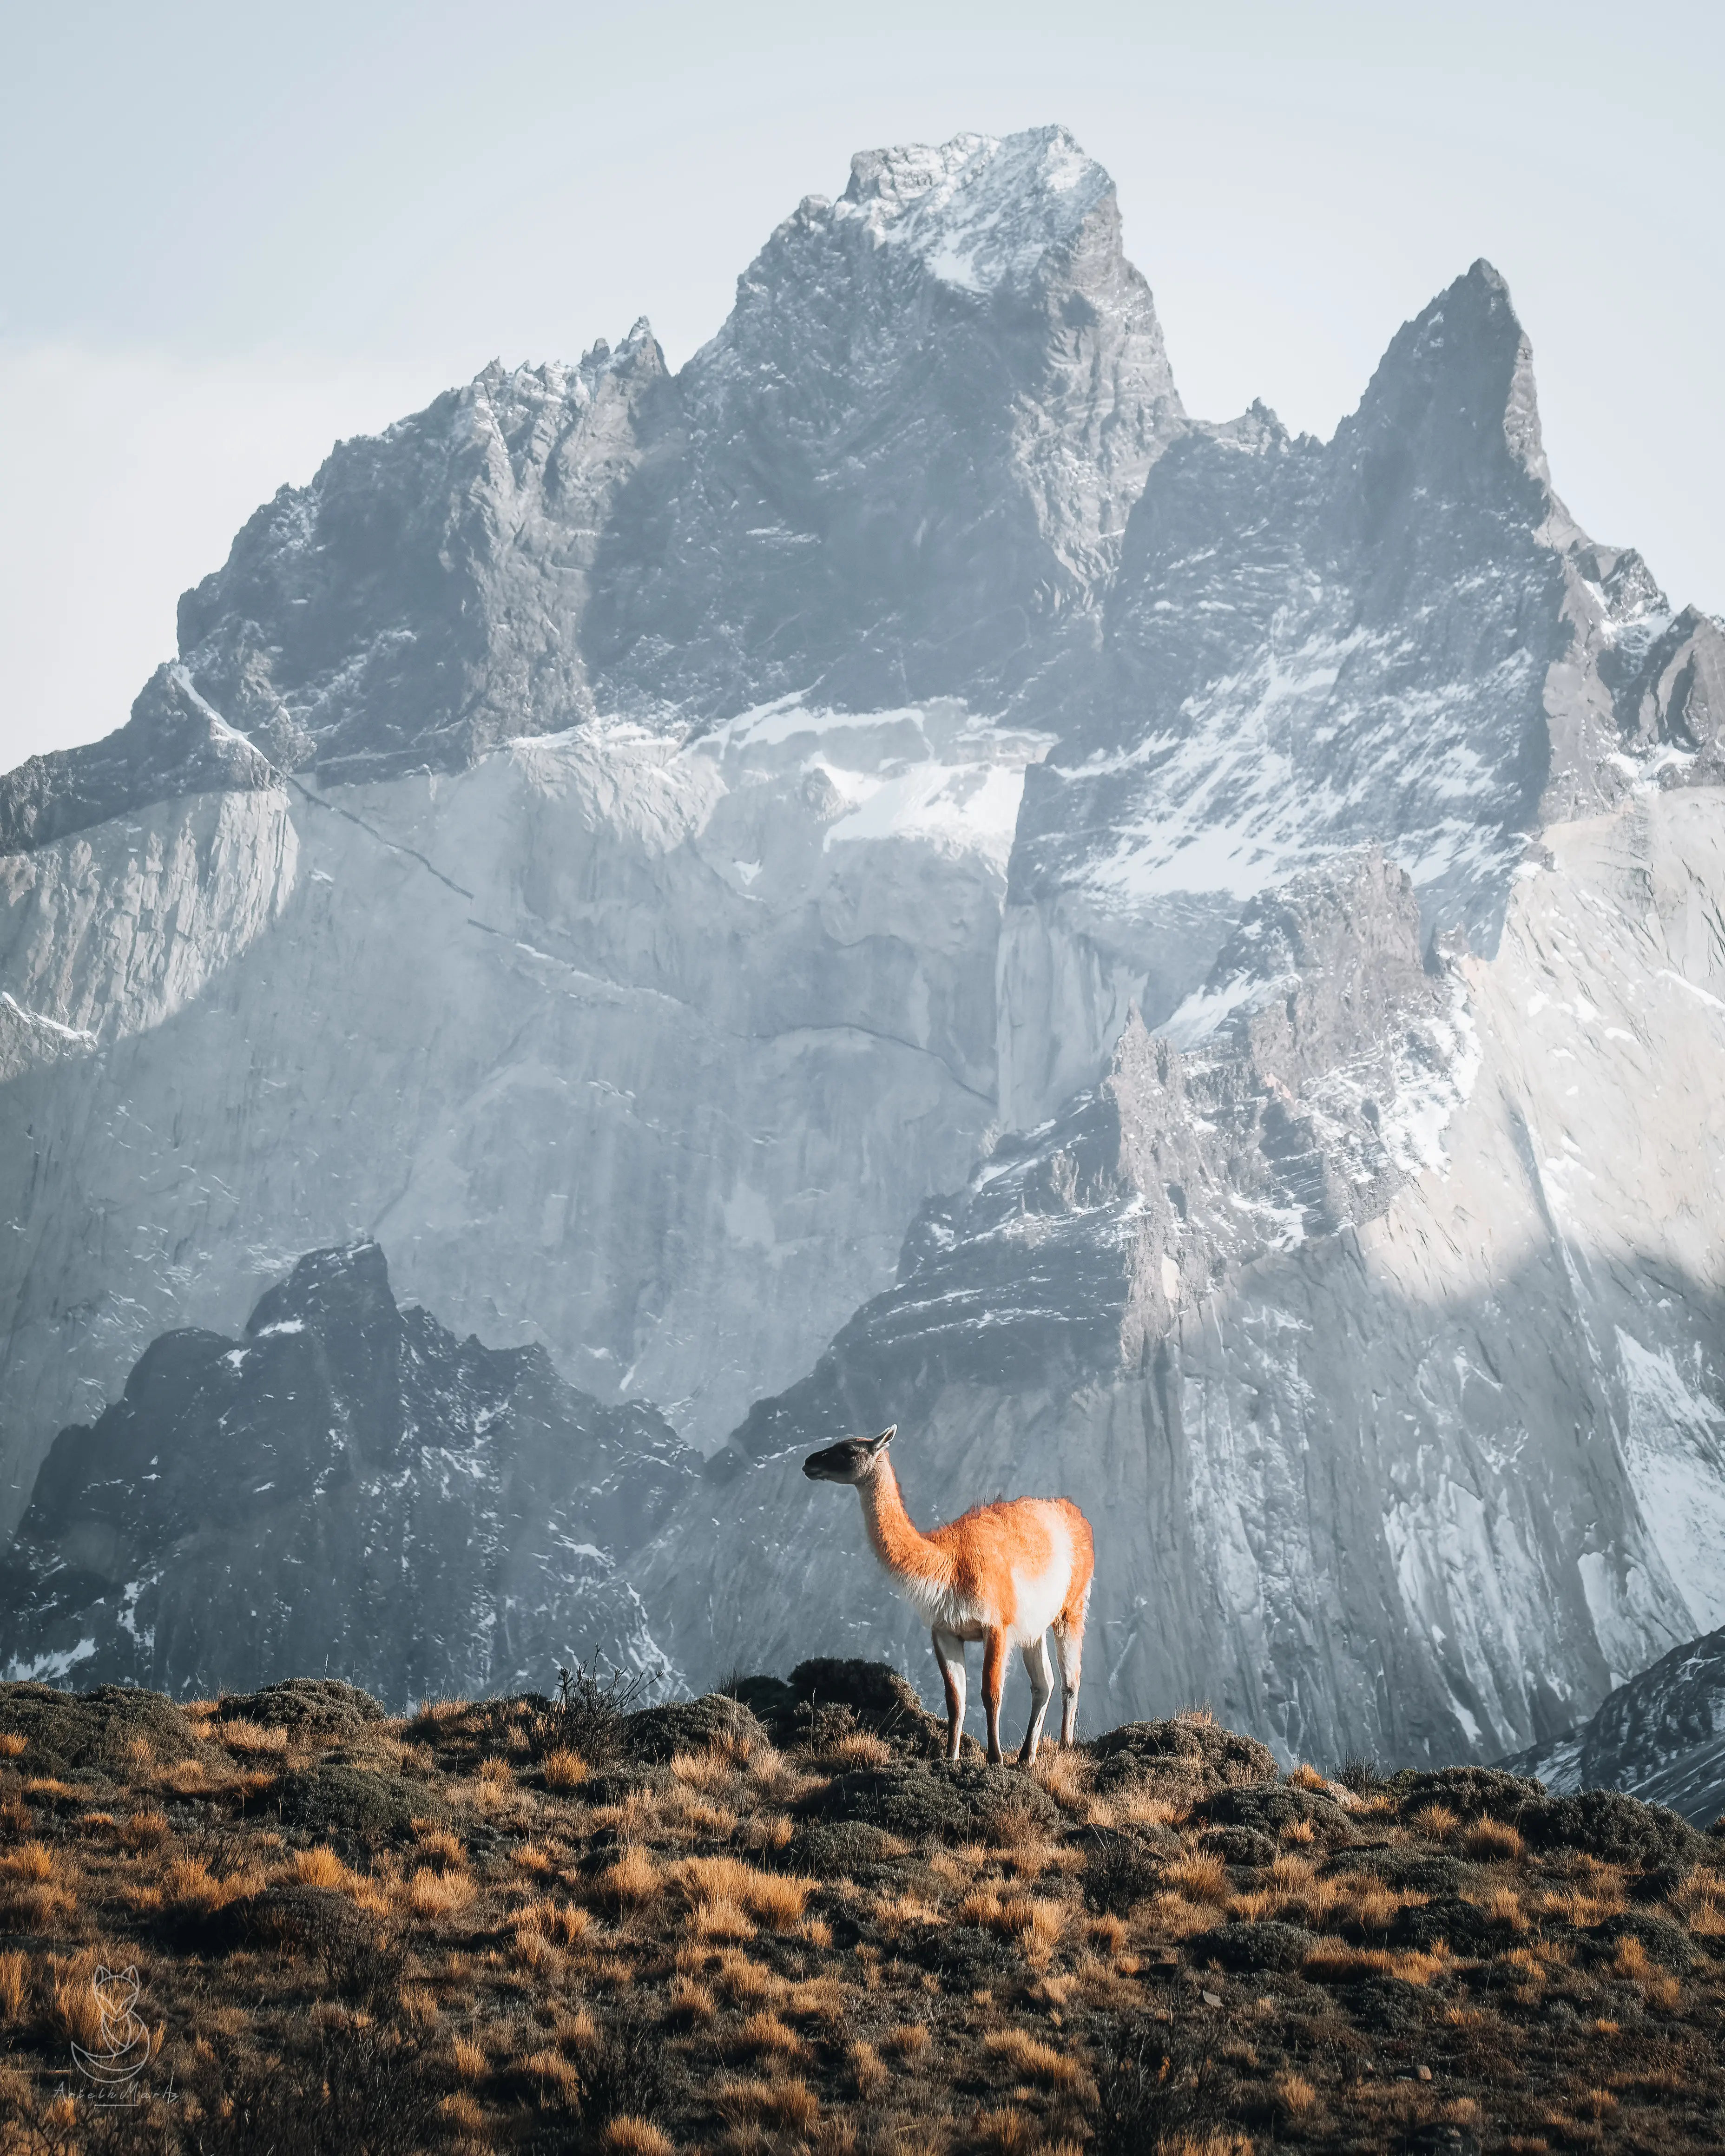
(1068,1646)
(949,1653)
(1035,1653)
(994,1676)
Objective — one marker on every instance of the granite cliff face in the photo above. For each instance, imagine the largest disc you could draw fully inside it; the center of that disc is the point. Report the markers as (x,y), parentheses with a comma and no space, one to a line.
(345,1487)
(896,875)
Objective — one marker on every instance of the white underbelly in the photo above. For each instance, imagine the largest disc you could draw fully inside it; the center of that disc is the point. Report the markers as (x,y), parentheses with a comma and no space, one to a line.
(1042,1595)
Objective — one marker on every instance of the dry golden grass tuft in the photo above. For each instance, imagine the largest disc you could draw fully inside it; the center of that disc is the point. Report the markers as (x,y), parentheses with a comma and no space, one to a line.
(462,2113)
(1197,1876)
(685,1812)
(1295,2095)
(815,1998)
(743,1980)
(770,1831)
(1584,1903)
(1700,1901)
(1632,1964)
(12,1746)
(188,1884)
(1032,2060)
(536,1862)
(631,1880)
(418,2005)
(710,1884)
(14,1985)
(1014,1826)
(711,1769)
(790,2105)
(909,2041)
(320,1866)
(563,1770)
(439,1717)
(1065,1773)
(1219,2141)
(467,2061)
(1335,1961)
(897,1914)
(764,2034)
(551,2070)
(1141,1811)
(630,2136)
(1004,2131)
(32,1860)
(1036,1924)
(1493,1841)
(1436,1822)
(247,1738)
(1174,1917)
(722,1919)
(690,2001)
(440,1848)
(1503,1905)
(560,1921)
(1373,1906)
(859,1749)
(868,2070)
(430,1894)
(145,1829)
(1304,1777)
(74,2007)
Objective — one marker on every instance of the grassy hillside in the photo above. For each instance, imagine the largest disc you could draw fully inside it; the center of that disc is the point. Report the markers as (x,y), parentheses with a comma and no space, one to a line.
(775,1921)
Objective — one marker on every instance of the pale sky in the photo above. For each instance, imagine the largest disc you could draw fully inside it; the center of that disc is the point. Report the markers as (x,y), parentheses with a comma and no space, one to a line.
(235,233)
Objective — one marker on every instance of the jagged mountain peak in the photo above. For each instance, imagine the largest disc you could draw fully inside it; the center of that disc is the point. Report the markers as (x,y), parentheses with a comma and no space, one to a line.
(982,210)
(1455,395)
(461,1510)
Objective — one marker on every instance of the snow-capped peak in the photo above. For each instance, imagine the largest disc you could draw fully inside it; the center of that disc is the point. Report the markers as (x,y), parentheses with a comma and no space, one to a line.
(982,210)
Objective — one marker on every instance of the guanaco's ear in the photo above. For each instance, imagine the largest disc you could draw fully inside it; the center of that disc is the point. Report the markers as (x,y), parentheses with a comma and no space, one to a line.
(879,1444)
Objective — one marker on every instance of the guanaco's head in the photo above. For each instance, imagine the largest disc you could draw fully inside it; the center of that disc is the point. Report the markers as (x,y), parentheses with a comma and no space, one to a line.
(852,1460)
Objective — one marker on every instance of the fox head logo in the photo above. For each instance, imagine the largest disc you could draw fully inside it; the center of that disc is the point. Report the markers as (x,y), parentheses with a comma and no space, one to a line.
(126,2040)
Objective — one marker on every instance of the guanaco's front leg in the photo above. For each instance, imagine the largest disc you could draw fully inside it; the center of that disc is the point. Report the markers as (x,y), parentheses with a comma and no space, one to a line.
(993,1675)
(949,1653)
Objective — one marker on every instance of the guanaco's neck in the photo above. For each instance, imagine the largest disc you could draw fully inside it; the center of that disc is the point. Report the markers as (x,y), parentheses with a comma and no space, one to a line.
(894,1536)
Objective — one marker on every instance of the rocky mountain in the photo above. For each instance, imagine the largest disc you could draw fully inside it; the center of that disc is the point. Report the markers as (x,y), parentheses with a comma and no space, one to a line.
(1661,1736)
(346,1487)
(894,873)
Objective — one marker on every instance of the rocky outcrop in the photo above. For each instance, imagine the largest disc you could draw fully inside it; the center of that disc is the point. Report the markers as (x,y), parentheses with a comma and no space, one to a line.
(346,1486)
(1661,1736)
(174,745)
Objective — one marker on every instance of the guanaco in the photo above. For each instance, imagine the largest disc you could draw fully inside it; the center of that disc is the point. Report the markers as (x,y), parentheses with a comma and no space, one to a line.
(1004,1573)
